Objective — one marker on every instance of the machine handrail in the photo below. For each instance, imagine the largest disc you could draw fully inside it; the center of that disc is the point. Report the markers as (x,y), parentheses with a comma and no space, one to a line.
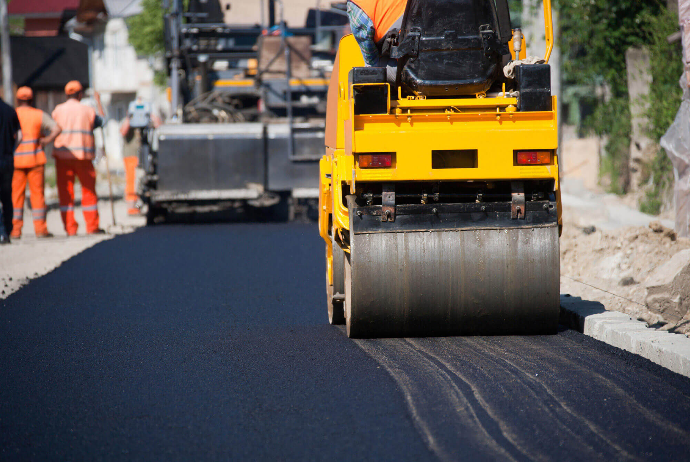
(548,26)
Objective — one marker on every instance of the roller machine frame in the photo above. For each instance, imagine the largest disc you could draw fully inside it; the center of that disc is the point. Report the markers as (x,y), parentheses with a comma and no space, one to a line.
(439,200)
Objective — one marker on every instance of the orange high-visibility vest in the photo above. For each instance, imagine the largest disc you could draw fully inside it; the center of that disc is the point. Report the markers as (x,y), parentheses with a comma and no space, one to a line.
(76,140)
(383,13)
(29,153)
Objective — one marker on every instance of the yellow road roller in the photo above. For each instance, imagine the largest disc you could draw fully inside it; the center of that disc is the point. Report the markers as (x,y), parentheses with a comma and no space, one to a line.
(439,190)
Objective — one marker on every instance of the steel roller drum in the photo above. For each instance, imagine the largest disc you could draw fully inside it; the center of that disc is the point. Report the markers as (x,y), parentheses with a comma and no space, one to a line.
(464,282)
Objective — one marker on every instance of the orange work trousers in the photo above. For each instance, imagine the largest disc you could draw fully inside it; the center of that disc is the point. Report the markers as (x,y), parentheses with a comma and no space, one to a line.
(66,170)
(130,184)
(35,176)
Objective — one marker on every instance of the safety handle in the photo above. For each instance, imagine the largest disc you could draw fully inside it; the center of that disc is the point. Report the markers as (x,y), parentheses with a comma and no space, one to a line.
(548,29)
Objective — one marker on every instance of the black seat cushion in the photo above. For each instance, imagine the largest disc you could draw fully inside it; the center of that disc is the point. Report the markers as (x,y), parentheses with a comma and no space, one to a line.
(451,47)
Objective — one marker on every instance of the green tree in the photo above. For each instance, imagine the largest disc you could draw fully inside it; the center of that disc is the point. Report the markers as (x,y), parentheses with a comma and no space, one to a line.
(594,37)
(595,34)
(146,30)
(664,100)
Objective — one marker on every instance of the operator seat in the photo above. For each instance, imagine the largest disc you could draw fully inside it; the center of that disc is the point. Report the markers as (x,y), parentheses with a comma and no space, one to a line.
(450,48)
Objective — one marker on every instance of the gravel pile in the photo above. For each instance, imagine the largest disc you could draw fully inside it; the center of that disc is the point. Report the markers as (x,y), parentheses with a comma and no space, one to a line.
(611,267)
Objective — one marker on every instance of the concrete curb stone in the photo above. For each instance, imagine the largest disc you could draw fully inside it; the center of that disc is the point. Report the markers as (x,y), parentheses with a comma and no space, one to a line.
(668,350)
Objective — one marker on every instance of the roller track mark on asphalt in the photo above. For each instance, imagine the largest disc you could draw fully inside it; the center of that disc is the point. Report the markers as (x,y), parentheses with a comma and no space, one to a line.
(508,432)
(403,362)
(500,433)
(510,368)
(406,387)
(555,358)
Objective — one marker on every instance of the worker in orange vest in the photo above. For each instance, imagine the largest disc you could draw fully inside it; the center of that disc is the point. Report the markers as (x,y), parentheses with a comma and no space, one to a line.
(371,21)
(29,163)
(74,153)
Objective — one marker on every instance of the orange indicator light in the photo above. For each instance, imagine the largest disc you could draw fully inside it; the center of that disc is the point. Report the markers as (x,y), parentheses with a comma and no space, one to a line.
(534,157)
(375,160)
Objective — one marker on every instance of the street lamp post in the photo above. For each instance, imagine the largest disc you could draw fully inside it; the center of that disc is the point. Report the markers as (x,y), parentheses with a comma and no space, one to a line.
(6,56)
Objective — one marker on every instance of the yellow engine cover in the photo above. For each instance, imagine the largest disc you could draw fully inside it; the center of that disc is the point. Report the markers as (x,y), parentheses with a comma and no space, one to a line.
(417,129)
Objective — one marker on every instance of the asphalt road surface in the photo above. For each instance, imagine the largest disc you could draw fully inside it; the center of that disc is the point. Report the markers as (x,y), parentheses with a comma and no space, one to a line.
(211,343)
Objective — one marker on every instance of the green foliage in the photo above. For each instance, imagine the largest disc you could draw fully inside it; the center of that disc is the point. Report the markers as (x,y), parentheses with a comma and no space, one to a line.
(612,121)
(595,34)
(160,78)
(16,26)
(594,37)
(515,7)
(146,31)
(663,102)
(661,172)
(666,67)
(16,23)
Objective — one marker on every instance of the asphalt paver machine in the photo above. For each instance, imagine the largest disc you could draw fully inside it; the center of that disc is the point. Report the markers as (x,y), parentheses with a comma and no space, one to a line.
(439,192)
(249,102)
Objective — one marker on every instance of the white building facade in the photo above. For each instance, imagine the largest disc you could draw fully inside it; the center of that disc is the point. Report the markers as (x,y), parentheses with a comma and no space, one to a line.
(120,76)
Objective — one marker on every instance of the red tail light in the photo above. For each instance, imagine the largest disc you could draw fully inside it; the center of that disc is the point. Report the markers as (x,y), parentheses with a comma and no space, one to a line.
(381,160)
(533,157)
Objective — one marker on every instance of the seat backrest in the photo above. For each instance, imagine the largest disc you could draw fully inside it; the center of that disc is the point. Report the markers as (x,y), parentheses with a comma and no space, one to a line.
(452,47)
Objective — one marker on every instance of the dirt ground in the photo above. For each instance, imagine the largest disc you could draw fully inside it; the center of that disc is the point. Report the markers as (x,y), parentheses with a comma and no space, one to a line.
(608,249)
(618,262)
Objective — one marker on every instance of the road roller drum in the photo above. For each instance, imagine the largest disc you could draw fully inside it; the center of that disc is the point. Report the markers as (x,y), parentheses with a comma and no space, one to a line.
(485,281)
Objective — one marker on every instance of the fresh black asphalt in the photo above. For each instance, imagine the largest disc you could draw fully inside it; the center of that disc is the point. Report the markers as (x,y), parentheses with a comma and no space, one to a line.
(211,342)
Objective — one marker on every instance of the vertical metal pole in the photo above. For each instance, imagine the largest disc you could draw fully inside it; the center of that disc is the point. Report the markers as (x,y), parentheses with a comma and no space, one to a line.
(175,17)
(318,22)
(92,82)
(165,4)
(271,13)
(203,72)
(6,56)
(288,77)
(263,14)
